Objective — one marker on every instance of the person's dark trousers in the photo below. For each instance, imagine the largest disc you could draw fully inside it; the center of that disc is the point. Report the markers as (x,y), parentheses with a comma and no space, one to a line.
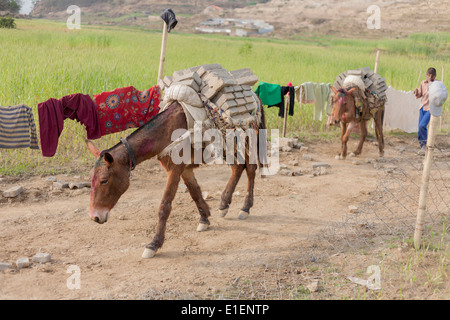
(424,119)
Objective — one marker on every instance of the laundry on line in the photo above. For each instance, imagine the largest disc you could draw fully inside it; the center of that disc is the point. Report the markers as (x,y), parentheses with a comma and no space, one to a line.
(17,127)
(126,108)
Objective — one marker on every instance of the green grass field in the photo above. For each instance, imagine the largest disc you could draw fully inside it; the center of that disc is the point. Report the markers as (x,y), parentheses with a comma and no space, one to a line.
(43,59)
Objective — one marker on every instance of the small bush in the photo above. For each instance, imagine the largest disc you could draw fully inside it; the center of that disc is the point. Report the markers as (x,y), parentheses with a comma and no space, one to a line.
(7,22)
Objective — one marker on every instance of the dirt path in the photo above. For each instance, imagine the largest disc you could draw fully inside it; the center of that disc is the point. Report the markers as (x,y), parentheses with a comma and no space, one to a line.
(287,210)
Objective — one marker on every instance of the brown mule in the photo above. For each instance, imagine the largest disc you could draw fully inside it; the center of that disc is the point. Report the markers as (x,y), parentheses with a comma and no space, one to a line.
(344,113)
(111,172)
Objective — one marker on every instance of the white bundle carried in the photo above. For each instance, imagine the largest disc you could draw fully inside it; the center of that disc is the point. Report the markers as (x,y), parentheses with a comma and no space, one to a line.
(438,94)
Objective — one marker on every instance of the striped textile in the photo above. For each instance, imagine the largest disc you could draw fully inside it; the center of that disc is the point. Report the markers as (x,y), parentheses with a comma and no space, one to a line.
(17,128)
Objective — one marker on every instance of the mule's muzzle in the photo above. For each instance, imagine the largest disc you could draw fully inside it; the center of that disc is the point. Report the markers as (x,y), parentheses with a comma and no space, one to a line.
(331,121)
(99,216)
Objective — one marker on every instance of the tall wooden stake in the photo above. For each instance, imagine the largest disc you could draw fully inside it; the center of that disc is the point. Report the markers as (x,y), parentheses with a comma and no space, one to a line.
(377,60)
(442,117)
(418,234)
(162,59)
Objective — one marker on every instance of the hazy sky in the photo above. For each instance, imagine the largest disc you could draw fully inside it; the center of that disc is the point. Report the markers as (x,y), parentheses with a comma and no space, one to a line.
(27,6)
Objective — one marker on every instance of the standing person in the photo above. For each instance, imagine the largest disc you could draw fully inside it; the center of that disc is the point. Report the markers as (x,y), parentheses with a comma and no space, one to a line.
(424,116)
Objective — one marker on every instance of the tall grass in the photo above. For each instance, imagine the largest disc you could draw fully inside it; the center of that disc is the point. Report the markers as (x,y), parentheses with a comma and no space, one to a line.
(42,59)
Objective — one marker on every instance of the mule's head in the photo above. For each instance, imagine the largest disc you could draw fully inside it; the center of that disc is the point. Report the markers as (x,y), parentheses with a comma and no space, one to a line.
(109,180)
(341,104)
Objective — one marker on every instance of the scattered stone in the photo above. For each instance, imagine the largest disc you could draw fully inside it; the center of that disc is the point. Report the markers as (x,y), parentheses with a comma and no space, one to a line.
(13,192)
(4,266)
(353,209)
(58,185)
(356,162)
(297,173)
(286,149)
(285,172)
(286,142)
(303,149)
(79,185)
(320,165)
(42,257)
(313,287)
(307,157)
(298,145)
(23,263)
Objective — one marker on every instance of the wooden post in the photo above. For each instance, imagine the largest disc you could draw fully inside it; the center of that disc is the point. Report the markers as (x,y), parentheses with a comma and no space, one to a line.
(162,59)
(377,60)
(425,182)
(285,117)
(442,117)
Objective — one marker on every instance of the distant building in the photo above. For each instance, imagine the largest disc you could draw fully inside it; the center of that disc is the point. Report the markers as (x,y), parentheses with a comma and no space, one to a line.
(235,27)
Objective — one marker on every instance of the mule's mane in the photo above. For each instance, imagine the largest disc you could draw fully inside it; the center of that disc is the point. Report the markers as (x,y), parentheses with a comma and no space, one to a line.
(151,122)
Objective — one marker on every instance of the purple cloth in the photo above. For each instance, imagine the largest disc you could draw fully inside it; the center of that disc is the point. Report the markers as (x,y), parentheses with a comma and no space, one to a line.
(53,112)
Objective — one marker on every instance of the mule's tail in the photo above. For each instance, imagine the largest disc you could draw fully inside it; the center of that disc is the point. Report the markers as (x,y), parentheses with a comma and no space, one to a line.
(262,140)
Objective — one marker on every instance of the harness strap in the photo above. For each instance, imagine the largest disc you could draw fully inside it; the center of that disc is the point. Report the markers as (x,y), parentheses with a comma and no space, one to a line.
(130,153)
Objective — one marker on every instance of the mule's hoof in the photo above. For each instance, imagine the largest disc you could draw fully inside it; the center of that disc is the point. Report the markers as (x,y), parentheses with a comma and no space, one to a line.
(148,253)
(352,154)
(243,215)
(202,227)
(223,212)
(339,157)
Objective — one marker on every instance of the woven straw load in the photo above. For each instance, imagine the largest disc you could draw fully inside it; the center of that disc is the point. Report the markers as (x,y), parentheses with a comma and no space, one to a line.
(229,94)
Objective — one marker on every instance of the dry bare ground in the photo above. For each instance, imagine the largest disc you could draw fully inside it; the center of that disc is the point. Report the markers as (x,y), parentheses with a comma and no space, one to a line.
(267,256)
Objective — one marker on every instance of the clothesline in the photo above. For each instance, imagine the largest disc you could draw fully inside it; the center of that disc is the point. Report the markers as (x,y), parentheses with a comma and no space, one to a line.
(126,108)
(103,114)
(272,95)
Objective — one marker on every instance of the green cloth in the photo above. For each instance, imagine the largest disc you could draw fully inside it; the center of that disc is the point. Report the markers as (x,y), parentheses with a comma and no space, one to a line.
(270,94)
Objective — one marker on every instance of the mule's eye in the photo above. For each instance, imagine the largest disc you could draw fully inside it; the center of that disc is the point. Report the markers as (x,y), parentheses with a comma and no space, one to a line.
(104,182)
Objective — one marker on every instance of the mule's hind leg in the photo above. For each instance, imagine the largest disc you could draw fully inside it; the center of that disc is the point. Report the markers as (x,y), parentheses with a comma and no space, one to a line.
(227,194)
(248,203)
(165,208)
(196,194)
(379,117)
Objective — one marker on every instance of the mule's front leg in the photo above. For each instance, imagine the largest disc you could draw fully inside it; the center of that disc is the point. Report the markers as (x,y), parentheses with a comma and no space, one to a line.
(227,194)
(343,154)
(248,203)
(363,135)
(164,211)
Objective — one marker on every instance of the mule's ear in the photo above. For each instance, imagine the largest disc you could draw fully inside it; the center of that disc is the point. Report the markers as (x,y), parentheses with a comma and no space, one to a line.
(333,89)
(351,90)
(108,158)
(92,148)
